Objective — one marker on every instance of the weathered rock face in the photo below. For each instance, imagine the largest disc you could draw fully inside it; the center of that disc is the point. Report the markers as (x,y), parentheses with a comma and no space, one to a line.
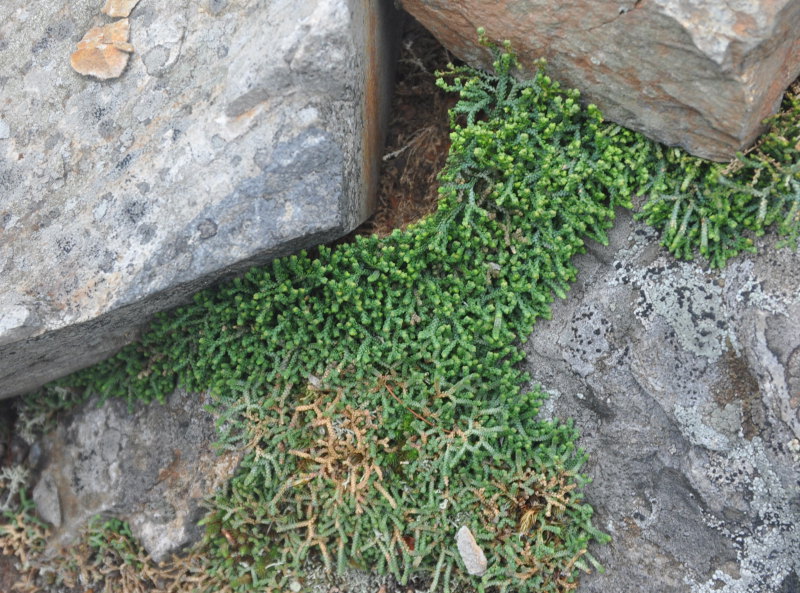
(685,386)
(240,130)
(151,468)
(701,75)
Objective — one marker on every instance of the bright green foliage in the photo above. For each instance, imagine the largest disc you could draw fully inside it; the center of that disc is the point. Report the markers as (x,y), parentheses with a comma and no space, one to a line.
(374,387)
(716,209)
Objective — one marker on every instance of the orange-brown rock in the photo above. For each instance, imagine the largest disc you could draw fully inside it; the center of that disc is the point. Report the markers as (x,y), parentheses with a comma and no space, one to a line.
(119,8)
(104,51)
(701,75)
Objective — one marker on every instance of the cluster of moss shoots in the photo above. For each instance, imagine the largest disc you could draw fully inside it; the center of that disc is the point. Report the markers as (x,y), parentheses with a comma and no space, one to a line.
(374,388)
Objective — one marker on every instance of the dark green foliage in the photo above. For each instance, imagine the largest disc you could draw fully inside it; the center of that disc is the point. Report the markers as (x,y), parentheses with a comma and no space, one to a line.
(717,209)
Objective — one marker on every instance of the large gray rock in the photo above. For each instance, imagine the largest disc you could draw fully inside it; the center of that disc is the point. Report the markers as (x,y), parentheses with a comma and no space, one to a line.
(686,387)
(239,131)
(701,75)
(152,468)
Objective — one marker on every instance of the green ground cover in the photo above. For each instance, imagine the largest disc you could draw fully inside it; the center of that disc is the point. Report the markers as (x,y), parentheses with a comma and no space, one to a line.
(374,386)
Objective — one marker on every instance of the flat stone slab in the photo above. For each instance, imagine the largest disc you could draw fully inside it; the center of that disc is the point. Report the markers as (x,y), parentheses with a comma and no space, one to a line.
(239,131)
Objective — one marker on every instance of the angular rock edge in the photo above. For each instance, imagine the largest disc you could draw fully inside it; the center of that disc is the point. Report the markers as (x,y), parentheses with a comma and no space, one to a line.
(72,301)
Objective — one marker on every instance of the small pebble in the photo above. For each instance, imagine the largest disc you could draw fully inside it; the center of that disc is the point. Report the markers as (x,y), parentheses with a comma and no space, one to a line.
(471,553)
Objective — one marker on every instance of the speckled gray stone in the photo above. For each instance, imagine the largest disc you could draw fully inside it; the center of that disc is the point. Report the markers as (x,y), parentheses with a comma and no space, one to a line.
(45,497)
(152,467)
(241,130)
(680,380)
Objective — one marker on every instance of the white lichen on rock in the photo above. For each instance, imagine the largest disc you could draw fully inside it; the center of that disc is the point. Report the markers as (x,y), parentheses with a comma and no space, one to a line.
(768,551)
(12,478)
(689,301)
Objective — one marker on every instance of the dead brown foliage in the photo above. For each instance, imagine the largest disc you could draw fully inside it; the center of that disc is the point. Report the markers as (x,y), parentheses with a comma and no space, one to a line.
(418,136)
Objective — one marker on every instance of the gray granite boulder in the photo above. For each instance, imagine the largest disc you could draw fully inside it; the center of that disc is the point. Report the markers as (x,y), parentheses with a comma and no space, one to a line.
(685,386)
(152,468)
(701,75)
(238,131)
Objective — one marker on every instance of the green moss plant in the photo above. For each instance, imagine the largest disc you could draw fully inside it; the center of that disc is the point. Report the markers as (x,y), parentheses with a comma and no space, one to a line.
(374,387)
(716,209)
